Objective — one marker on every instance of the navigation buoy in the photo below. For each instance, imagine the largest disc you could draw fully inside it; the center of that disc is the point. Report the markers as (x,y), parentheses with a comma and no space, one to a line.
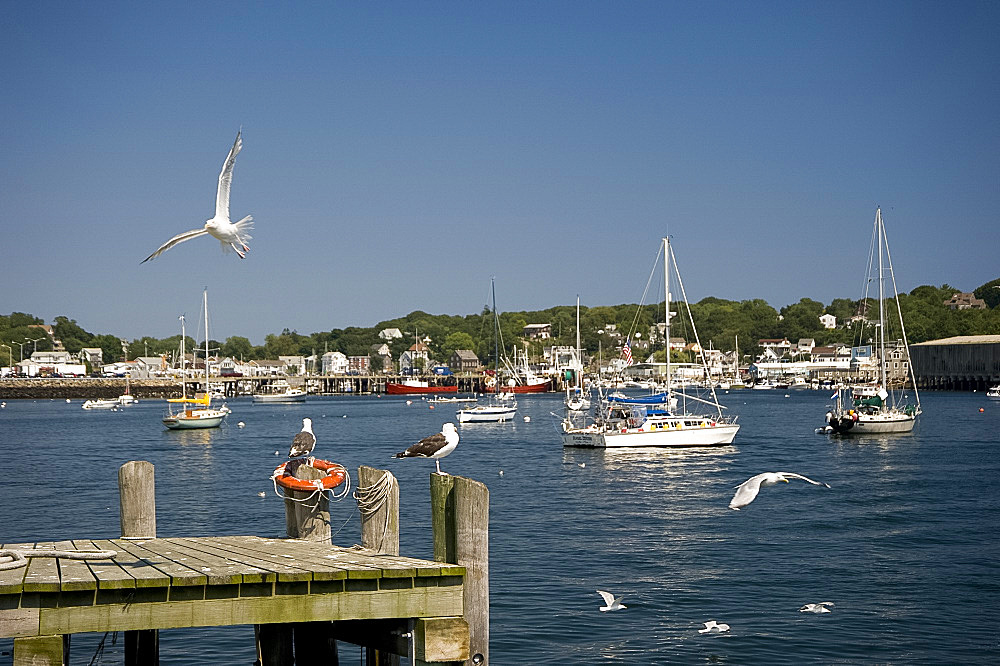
(981,409)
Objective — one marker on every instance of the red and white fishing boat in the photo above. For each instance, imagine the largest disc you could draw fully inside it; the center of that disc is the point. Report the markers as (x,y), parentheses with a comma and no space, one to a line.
(409,386)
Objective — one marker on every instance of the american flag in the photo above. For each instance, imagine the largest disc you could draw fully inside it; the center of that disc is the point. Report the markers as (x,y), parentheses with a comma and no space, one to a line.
(627,353)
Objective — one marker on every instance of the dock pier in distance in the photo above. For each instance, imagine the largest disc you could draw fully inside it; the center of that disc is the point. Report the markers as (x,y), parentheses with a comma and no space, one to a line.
(301,595)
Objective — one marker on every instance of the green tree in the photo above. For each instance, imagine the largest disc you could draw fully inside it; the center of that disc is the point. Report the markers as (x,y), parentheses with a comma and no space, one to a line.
(989,292)
(237,347)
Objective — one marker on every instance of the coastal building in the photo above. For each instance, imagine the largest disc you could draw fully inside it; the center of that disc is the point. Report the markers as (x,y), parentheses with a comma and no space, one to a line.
(408,359)
(51,363)
(463,360)
(381,351)
(359,365)
(828,321)
(964,362)
(92,356)
(537,331)
(266,368)
(390,334)
(294,365)
(334,363)
(964,301)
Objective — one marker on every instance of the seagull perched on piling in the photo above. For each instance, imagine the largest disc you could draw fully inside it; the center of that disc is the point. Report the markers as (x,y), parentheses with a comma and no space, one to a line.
(436,446)
(231,235)
(612,603)
(304,441)
(747,491)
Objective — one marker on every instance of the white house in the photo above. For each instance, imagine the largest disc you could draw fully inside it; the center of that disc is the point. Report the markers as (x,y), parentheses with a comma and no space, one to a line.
(828,321)
(390,334)
(335,363)
(407,360)
(296,365)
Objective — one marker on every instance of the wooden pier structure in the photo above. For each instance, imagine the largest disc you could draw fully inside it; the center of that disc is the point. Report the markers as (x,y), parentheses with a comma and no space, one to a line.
(301,595)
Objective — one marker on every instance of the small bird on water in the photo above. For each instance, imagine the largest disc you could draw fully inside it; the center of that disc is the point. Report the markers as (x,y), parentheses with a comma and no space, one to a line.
(713,626)
(304,441)
(230,234)
(747,491)
(821,607)
(436,446)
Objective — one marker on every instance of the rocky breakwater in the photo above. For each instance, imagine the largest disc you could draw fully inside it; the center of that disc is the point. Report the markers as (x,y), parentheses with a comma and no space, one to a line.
(87,387)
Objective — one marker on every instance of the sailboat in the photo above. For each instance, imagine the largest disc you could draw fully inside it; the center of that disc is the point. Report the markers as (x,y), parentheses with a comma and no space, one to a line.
(880,407)
(576,399)
(667,419)
(186,413)
(502,406)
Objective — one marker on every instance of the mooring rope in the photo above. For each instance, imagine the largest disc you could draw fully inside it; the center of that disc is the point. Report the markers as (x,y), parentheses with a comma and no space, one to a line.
(371,499)
(16,558)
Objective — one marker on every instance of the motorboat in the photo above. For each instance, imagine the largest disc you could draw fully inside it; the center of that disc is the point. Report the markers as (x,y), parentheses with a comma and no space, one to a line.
(279,392)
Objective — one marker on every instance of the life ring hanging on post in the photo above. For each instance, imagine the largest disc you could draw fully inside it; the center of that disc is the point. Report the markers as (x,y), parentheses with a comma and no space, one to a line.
(336,474)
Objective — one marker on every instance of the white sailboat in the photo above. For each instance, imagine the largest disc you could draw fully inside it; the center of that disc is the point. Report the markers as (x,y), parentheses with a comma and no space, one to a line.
(577,400)
(501,406)
(186,413)
(667,419)
(880,407)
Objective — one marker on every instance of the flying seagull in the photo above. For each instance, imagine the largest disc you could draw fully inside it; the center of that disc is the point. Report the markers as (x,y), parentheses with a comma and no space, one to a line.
(612,603)
(821,607)
(229,234)
(713,626)
(436,446)
(747,491)
(304,441)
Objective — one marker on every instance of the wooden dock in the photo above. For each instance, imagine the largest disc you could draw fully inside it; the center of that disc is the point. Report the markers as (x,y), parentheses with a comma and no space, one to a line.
(301,596)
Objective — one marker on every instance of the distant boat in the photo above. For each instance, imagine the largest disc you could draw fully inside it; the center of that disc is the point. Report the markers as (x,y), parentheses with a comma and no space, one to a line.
(411,386)
(994,393)
(577,400)
(874,409)
(438,400)
(195,413)
(501,406)
(656,420)
(279,392)
(111,403)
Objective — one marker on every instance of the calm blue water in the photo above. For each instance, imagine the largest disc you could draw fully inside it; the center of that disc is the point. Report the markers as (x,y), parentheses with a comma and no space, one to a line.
(905,543)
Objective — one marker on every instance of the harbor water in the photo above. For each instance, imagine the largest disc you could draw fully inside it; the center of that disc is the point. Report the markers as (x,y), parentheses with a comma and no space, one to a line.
(904,543)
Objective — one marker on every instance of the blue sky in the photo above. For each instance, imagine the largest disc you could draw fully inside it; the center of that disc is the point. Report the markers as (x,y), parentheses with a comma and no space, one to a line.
(398,155)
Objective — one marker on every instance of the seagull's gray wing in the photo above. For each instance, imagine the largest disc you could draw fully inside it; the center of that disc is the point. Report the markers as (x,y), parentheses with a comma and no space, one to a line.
(302,444)
(747,492)
(793,475)
(179,238)
(609,598)
(425,448)
(226,179)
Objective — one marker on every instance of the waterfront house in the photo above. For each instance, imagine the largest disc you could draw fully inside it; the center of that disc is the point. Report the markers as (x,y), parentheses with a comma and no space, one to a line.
(359,365)
(463,360)
(828,321)
(294,365)
(537,331)
(334,363)
(93,356)
(390,334)
(964,301)
(408,359)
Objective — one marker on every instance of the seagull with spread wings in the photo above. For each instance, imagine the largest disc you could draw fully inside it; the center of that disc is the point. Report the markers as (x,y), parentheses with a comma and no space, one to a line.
(230,234)
(747,491)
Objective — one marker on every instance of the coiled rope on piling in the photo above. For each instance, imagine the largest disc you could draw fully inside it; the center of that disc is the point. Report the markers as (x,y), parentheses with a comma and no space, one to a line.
(372,499)
(16,558)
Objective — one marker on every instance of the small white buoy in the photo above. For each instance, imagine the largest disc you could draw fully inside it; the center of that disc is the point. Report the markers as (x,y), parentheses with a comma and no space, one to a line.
(344,416)
(527,419)
(261,494)
(68,400)
(582,465)
(786,395)
(409,402)
(241,425)
(277,453)
(501,472)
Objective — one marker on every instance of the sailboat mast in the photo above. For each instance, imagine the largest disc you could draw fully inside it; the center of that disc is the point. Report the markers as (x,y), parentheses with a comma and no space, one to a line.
(881,295)
(579,360)
(666,300)
(183,361)
(496,338)
(205,299)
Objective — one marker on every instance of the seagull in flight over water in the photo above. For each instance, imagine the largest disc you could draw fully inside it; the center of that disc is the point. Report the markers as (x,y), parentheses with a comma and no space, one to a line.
(612,603)
(713,626)
(821,607)
(747,491)
(231,235)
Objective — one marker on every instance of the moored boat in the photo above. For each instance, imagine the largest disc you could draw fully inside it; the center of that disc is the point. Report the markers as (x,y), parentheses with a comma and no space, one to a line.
(993,393)
(279,392)
(667,419)
(501,406)
(413,386)
(876,408)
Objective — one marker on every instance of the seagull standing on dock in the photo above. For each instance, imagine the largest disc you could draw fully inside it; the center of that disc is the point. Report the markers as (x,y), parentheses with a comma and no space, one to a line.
(611,602)
(747,491)
(436,446)
(304,441)
(231,235)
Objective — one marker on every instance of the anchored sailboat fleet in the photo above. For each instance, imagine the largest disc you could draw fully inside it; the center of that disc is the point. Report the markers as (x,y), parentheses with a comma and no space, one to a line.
(667,419)
(881,407)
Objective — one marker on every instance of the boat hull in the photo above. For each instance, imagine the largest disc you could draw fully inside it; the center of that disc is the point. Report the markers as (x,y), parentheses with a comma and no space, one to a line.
(872,424)
(543,387)
(720,434)
(486,414)
(182,422)
(280,398)
(403,389)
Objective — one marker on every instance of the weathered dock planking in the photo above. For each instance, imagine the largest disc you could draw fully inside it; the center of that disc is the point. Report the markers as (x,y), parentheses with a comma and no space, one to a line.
(301,595)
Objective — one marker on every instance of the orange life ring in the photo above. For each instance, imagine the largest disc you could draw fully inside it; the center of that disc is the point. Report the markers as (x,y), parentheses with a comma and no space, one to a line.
(335,475)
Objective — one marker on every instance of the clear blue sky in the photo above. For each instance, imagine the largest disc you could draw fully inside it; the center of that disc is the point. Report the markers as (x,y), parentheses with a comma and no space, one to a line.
(397,155)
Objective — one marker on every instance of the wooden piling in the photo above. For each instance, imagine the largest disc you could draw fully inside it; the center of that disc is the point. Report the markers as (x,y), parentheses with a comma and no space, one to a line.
(460,523)
(378,492)
(137,499)
(307,517)
(380,527)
